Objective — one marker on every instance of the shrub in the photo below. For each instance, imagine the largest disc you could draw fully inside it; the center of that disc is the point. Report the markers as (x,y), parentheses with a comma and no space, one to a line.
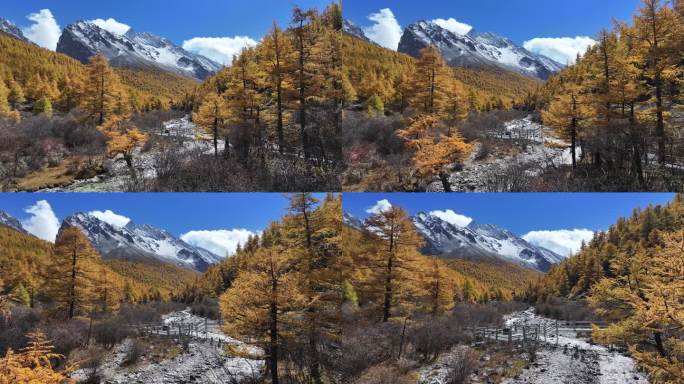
(461,366)
(135,350)
(109,332)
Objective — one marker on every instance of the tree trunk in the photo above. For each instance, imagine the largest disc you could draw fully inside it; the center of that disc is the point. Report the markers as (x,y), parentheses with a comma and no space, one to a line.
(573,144)
(314,366)
(129,162)
(658,337)
(302,95)
(215,137)
(660,124)
(273,342)
(388,285)
(636,153)
(281,134)
(445,182)
(72,287)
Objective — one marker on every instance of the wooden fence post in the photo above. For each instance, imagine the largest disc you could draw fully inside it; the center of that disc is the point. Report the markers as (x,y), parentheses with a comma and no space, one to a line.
(556,333)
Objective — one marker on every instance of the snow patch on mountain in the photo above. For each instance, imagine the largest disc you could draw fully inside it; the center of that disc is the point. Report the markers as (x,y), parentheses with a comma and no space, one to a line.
(353,30)
(351,221)
(84,39)
(11,29)
(10,221)
(481,241)
(140,242)
(476,49)
(450,235)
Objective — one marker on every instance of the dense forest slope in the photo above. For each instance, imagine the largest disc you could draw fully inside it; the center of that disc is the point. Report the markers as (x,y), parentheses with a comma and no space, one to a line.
(373,70)
(632,276)
(26,261)
(31,73)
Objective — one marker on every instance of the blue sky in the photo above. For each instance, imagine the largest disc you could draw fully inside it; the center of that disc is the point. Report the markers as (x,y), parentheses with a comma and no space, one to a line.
(174,19)
(518,212)
(175,212)
(560,222)
(217,222)
(520,20)
(217,29)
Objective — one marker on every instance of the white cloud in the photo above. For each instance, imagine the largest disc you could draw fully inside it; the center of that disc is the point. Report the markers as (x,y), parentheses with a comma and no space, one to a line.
(222,242)
(381,206)
(452,217)
(112,26)
(562,49)
(110,217)
(45,31)
(565,242)
(43,223)
(219,49)
(453,25)
(386,31)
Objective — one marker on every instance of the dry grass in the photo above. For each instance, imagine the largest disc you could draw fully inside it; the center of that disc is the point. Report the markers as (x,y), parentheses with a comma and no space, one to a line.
(48,177)
(62,174)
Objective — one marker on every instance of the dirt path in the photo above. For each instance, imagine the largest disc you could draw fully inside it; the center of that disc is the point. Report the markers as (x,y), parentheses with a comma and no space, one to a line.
(574,360)
(203,361)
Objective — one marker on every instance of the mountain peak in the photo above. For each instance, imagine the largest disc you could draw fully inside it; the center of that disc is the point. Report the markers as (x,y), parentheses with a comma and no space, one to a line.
(140,242)
(480,241)
(353,30)
(10,221)
(83,39)
(11,29)
(476,50)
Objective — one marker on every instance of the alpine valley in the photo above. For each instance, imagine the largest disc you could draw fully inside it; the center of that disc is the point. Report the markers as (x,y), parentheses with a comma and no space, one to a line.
(475,242)
(132,242)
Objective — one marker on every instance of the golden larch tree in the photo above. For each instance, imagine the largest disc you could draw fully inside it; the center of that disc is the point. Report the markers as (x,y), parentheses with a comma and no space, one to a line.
(103,93)
(643,299)
(32,364)
(263,300)
(435,152)
(211,117)
(71,273)
(394,264)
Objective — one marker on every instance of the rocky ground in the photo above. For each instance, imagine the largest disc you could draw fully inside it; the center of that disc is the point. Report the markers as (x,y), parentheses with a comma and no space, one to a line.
(537,148)
(573,360)
(181,131)
(204,360)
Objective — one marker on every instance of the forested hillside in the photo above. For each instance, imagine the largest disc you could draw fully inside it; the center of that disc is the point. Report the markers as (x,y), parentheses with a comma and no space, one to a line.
(611,122)
(631,276)
(271,121)
(26,264)
(375,71)
(621,106)
(31,73)
(400,109)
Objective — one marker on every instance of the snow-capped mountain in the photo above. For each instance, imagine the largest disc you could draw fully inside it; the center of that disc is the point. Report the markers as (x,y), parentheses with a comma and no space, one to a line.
(11,29)
(10,221)
(353,30)
(140,242)
(476,50)
(474,242)
(348,219)
(82,40)
(477,241)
